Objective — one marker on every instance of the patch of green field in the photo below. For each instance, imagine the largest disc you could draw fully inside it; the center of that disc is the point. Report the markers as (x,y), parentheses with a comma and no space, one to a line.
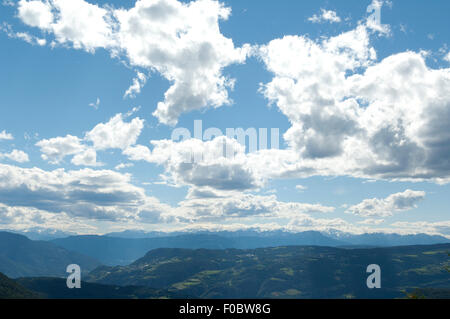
(186,284)
(288,271)
(434,252)
(209,272)
(292,292)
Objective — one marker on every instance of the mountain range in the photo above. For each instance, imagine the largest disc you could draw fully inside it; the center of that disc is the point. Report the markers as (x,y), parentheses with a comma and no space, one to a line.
(220,265)
(129,246)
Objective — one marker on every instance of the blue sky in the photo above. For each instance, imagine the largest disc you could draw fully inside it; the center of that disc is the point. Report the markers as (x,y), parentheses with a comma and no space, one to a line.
(63,81)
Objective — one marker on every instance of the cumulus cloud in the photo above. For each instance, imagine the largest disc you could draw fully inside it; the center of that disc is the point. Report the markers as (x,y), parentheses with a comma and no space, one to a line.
(104,195)
(35,13)
(138,153)
(28,218)
(54,150)
(325,16)
(16,156)
(398,202)
(352,115)
(309,87)
(77,23)
(181,41)
(206,164)
(88,157)
(6,136)
(87,193)
(116,133)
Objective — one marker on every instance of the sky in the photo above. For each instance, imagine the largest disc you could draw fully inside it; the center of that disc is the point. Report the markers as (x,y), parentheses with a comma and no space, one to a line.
(101,104)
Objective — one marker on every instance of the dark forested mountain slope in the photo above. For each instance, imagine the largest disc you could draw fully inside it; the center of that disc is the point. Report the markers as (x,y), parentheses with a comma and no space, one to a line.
(22,257)
(284,272)
(56,288)
(10,289)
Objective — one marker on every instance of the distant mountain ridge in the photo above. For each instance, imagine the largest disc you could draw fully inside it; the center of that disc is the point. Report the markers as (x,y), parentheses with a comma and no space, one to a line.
(123,250)
(22,257)
(37,233)
(387,240)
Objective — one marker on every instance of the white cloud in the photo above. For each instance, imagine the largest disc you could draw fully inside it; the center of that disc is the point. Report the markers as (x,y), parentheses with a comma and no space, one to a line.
(96,104)
(88,157)
(181,41)
(447,57)
(35,13)
(371,221)
(24,36)
(354,116)
(219,206)
(306,223)
(138,82)
(205,164)
(123,165)
(28,218)
(54,150)
(63,199)
(435,228)
(16,156)
(373,21)
(138,153)
(88,194)
(6,136)
(388,206)
(8,3)
(116,133)
(301,188)
(325,16)
(309,88)
(104,195)
(30,39)
(81,24)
